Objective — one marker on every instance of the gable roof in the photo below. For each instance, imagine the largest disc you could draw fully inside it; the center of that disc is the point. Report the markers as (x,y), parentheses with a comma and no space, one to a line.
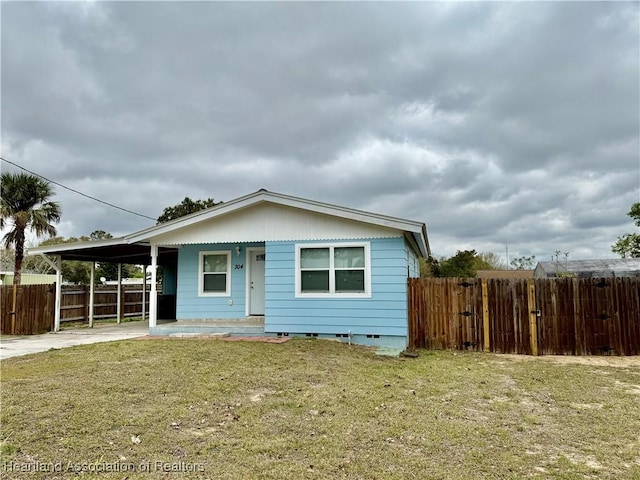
(416,230)
(134,248)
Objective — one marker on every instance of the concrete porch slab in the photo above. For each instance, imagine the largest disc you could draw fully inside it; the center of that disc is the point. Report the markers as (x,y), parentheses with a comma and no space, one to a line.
(251,326)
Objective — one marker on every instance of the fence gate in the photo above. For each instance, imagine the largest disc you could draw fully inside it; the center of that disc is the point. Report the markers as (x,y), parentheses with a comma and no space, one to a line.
(589,316)
(445,313)
(508,316)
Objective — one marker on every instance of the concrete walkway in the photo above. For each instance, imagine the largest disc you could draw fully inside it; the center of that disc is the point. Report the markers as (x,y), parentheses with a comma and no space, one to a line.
(14,346)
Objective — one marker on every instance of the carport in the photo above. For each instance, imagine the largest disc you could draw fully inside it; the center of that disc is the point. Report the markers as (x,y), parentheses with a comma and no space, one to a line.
(115,250)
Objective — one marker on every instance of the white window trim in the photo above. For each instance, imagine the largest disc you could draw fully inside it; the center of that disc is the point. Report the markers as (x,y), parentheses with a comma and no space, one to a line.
(201,292)
(332,293)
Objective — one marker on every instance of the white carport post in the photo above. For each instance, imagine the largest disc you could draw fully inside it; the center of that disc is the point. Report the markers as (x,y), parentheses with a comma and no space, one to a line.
(153,296)
(58,307)
(144,291)
(92,291)
(56,264)
(119,294)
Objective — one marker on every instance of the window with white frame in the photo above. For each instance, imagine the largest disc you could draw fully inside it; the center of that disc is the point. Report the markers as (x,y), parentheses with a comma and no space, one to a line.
(215,273)
(333,270)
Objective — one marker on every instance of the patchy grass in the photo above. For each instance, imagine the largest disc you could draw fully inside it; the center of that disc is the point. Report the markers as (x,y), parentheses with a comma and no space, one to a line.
(314,409)
(101,321)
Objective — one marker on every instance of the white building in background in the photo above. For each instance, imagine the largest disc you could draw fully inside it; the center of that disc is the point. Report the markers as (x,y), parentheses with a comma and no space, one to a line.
(6,278)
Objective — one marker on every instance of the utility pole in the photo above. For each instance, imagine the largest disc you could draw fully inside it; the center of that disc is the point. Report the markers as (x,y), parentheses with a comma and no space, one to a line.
(506,249)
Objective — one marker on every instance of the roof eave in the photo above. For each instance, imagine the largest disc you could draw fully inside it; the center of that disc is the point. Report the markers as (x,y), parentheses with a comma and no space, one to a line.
(65,247)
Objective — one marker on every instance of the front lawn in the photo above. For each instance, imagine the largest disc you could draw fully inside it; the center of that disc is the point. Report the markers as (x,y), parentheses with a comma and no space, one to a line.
(314,409)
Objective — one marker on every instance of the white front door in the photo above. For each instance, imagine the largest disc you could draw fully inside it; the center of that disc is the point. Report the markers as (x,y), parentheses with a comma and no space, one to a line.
(257,260)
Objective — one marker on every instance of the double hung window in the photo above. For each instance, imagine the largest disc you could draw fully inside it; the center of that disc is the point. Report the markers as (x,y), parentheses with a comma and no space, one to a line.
(333,270)
(214,273)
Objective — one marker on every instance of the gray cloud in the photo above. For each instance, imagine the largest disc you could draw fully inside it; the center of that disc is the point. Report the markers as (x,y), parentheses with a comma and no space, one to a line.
(495,123)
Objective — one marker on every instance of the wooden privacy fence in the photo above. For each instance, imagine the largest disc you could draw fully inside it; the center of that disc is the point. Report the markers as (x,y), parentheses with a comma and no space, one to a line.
(34,309)
(36,303)
(564,316)
(74,304)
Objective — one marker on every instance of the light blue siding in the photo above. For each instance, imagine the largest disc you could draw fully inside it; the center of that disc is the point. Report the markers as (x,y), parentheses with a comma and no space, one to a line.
(380,319)
(190,305)
(383,314)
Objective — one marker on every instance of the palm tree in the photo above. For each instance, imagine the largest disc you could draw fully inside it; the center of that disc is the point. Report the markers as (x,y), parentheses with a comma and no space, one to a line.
(25,205)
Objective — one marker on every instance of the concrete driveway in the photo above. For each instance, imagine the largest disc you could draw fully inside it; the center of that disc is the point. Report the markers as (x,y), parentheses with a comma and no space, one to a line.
(14,346)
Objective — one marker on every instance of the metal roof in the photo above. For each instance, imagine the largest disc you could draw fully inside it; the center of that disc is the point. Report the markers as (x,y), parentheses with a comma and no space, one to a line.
(610,267)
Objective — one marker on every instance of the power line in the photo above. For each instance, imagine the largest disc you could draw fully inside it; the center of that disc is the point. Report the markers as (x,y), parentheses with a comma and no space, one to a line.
(76,191)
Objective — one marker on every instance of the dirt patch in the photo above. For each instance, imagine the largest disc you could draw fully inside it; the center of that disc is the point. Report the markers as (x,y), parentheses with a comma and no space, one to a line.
(219,339)
(594,361)
(629,387)
(257,396)
(257,339)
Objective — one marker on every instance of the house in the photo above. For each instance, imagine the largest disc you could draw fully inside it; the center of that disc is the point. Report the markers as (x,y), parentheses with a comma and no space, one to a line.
(285,265)
(6,278)
(612,267)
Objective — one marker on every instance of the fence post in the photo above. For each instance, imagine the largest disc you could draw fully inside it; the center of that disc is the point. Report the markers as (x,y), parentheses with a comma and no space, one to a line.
(485,315)
(92,292)
(119,294)
(85,299)
(577,325)
(533,317)
(123,297)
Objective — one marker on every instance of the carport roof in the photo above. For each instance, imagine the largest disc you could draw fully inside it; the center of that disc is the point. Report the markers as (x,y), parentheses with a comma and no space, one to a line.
(114,250)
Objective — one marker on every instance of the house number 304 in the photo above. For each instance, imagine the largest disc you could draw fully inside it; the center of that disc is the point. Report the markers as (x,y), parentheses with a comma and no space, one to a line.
(239,266)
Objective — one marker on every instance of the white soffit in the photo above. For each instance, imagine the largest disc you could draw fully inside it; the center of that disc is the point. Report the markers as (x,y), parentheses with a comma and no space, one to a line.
(272,222)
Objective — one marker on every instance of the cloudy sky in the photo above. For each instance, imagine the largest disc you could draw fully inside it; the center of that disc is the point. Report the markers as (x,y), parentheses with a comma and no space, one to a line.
(494,123)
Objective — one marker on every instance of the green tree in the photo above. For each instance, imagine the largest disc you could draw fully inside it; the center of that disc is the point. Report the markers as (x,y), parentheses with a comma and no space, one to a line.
(428,267)
(25,205)
(464,263)
(523,263)
(99,235)
(109,271)
(495,261)
(628,245)
(185,207)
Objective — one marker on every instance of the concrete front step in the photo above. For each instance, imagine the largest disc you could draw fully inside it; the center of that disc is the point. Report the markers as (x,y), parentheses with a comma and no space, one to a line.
(245,321)
(389,351)
(196,335)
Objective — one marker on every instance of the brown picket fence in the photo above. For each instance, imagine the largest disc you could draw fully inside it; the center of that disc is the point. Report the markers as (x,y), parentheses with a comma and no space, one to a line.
(564,316)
